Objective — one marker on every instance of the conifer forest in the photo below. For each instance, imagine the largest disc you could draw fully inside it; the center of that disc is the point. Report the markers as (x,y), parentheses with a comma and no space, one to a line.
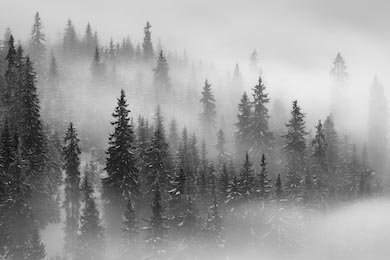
(188,130)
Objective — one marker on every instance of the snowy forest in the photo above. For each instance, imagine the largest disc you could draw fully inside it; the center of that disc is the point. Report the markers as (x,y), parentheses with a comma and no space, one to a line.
(125,149)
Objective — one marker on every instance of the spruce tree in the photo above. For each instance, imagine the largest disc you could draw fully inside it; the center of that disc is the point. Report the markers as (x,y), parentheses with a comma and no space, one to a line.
(278,189)
(202,180)
(71,152)
(88,41)
(70,41)
(33,147)
(37,248)
(243,125)
(11,81)
(37,43)
(98,69)
(247,180)
(173,137)
(158,159)
(213,228)
(260,137)
(220,147)
(320,165)
(332,152)
(208,115)
(156,236)
(161,79)
(121,183)
(147,46)
(264,186)
(91,237)
(295,149)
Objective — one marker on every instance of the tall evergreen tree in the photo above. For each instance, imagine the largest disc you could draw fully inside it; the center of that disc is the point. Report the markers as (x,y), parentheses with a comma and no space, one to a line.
(148,51)
(377,129)
(71,153)
(11,81)
(98,68)
(320,165)
(260,137)
(33,147)
(121,183)
(161,79)
(173,137)
(157,236)
(37,43)
(247,180)
(295,148)
(220,147)
(264,186)
(91,237)
(243,125)
(208,115)
(332,153)
(70,41)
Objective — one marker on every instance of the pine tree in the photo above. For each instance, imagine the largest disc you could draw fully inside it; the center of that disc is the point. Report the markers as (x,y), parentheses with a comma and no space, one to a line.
(71,152)
(377,129)
(202,180)
(213,228)
(11,81)
(234,194)
(220,147)
(247,180)
(148,52)
(161,79)
(173,137)
(254,60)
(129,224)
(98,68)
(278,189)
(37,43)
(143,143)
(260,138)
(320,165)
(37,248)
(91,237)
(156,237)
(121,183)
(295,148)
(339,107)
(264,186)
(332,152)
(70,40)
(33,147)
(158,159)
(223,184)
(88,41)
(243,125)
(208,115)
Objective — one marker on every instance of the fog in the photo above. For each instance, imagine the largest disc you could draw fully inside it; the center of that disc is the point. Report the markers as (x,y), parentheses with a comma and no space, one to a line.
(308,180)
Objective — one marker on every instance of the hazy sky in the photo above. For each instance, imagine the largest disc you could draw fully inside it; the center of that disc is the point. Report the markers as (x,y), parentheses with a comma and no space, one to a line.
(300,34)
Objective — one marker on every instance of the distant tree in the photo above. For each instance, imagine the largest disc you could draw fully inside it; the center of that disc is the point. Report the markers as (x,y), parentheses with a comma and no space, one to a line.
(89,41)
(158,159)
(332,153)
(220,147)
(264,186)
(295,149)
(121,183)
(254,60)
(278,189)
(37,43)
(161,79)
(157,237)
(70,41)
(208,115)
(377,147)
(213,228)
(71,153)
(339,68)
(339,107)
(260,137)
(247,180)
(91,237)
(11,82)
(148,51)
(320,165)
(98,68)
(223,184)
(202,179)
(243,125)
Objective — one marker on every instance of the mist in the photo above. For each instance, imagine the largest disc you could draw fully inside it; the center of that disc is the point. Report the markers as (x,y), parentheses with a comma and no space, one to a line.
(194,129)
